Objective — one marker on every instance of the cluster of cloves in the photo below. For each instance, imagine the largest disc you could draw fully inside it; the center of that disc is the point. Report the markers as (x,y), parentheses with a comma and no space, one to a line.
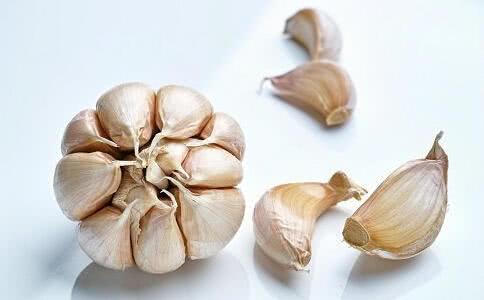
(321,85)
(404,214)
(151,177)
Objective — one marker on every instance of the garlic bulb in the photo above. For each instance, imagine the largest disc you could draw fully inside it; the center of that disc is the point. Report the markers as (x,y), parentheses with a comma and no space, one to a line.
(225,132)
(211,167)
(127,114)
(85,134)
(406,212)
(127,215)
(285,216)
(209,218)
(317,32)
(320,86)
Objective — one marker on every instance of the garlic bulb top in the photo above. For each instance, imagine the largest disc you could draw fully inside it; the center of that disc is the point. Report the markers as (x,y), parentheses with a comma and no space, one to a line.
(127,214)
(317,32)
(285,216)
(127,112)
(406,212)
(320,86)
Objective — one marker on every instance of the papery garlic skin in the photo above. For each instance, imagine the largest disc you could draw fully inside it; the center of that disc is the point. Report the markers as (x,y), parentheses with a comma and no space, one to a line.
(127,114)
(317,32)
(84,133)
(209,218)
(104,237)
(171,155)
(84,183)
(406,212)
(211,167)
(181,112)
(322,87)
(225,132)
(285,216)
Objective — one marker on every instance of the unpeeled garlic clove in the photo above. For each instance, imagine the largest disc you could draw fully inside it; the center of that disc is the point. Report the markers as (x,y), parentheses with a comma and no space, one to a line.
(105,238)
(317,32)
(170,156)
(127,114)
(85,134)
(155,175)
(322,87)
(285,216)
(209,218)
(225,132)
(211,167)
(159,247)
(84,182)
(406,212)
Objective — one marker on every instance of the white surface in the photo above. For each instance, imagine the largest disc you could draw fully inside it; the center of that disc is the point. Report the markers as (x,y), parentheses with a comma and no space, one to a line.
(418,68)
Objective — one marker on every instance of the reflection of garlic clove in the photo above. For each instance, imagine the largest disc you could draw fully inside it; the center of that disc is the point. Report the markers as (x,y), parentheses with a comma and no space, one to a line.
(127,114)
(209,218)
(159,247)
(84,182)
(85,134)
(317,32)
(285,216)
(406,212)
(224,131)
(211,167)
(320,86)
(105,238)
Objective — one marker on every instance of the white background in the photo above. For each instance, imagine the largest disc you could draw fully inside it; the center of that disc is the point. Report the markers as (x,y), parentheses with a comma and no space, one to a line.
(417,66)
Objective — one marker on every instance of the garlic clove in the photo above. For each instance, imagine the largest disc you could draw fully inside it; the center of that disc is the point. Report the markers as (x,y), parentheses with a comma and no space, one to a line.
(85,134)
(211,167)
(322,87)
(84,182)
(406,212)
(181,111)
(127,114)
(105,238)
(155,175)
(159,247)
(317,32)
(209,218)
(171,155)
(285,216)
(225,132)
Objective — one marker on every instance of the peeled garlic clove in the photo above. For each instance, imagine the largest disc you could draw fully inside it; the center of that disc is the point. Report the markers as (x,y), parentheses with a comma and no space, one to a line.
(317,32)
(84,182)
(127,114)
(155,176)
(85,134)
(406,212)
(105,238)
(224,131)
(319,86)
(181,112)
(211,167)
(159,246)
(285,216)
(209,219)
(171,156)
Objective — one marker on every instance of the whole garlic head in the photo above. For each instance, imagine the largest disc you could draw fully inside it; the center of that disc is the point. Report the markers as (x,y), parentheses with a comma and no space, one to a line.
(127,214)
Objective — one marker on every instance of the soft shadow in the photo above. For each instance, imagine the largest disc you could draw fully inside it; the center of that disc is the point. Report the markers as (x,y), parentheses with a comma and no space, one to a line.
(389,279)
(214,278)
(279,281)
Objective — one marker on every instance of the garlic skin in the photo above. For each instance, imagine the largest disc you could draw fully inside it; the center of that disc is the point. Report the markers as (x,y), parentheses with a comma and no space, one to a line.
(225,132)
(209,218)
(317,32)
(127,114)
(104,237)
(171,155)
(406,212)
(181,112)
(323,87)
(211,167)
(84,183)
(84,133)
(285,216)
